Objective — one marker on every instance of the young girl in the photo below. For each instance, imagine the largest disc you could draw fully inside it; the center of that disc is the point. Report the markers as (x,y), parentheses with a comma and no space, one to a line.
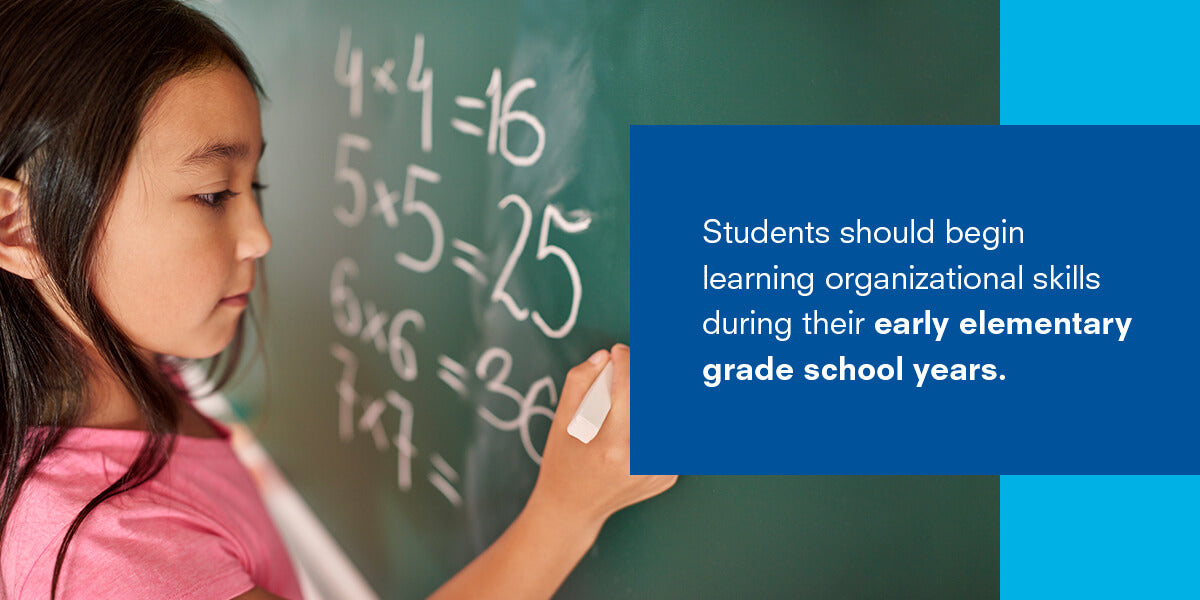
(130,230)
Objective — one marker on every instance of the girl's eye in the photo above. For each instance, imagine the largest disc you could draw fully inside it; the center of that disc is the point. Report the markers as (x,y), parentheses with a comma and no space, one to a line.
(258,188)
(215,200)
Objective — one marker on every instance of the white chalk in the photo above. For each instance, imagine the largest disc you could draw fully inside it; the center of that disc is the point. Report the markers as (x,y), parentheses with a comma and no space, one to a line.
(594,408)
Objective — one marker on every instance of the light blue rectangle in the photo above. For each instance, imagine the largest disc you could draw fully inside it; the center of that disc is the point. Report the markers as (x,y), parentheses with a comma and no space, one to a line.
(1099,537)
(1099,62)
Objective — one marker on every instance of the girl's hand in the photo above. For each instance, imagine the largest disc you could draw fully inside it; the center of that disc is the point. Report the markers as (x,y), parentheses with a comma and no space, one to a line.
(586,483)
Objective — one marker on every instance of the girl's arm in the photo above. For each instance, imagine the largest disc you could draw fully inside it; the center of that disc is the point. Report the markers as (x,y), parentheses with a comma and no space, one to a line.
(578,487)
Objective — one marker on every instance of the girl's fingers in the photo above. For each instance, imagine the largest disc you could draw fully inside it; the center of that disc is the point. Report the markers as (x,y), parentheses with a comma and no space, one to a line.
(619,413)
(579,379)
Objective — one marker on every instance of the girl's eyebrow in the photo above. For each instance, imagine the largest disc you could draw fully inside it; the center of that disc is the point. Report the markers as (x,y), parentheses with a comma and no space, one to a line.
(218,151)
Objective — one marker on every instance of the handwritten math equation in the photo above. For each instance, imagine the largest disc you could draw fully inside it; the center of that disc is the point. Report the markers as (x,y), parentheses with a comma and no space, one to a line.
(388,419)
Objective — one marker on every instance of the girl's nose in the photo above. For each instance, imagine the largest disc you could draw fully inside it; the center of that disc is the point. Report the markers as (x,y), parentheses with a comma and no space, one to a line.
(254,241)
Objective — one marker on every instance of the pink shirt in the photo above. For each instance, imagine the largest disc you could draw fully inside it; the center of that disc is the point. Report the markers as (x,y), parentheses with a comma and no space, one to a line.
(197,530)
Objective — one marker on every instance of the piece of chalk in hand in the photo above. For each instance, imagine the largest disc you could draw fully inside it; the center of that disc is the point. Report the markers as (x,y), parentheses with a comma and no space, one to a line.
(594,408)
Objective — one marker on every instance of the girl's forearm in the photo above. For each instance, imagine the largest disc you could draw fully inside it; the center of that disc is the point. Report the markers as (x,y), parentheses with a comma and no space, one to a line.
(530,560)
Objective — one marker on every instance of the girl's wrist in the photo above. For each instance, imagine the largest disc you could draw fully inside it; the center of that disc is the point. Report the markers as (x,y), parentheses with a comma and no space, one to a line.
(571,522)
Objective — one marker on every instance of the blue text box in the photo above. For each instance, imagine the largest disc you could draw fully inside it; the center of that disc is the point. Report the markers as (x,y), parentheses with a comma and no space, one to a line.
(1111,206)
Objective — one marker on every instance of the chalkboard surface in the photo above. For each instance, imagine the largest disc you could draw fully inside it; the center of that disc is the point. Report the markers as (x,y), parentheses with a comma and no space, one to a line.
(449,195)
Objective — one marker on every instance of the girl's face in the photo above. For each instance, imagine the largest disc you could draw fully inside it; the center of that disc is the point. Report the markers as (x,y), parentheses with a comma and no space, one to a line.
(176,258)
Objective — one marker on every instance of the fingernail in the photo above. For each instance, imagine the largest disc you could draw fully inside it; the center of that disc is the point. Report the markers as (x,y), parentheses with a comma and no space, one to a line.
(598,357)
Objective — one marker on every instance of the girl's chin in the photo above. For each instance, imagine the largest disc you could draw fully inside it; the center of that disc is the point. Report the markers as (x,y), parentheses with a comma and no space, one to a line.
(202,351)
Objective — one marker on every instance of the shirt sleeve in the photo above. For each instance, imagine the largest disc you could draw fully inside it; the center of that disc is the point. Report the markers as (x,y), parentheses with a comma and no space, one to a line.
(147,552)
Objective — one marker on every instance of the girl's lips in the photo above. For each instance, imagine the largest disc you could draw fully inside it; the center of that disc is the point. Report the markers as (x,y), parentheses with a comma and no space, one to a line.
(239,300)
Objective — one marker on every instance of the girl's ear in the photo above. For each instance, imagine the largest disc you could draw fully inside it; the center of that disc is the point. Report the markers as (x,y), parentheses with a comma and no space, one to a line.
(18,254)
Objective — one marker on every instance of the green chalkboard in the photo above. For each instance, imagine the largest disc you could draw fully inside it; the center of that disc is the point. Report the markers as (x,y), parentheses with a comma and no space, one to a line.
(449,198)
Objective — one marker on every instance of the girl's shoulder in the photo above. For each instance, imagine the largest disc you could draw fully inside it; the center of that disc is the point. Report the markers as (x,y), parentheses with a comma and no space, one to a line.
(196,530)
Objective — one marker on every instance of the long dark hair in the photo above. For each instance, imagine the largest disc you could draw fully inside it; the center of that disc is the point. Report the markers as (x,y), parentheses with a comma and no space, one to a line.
(75,79)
